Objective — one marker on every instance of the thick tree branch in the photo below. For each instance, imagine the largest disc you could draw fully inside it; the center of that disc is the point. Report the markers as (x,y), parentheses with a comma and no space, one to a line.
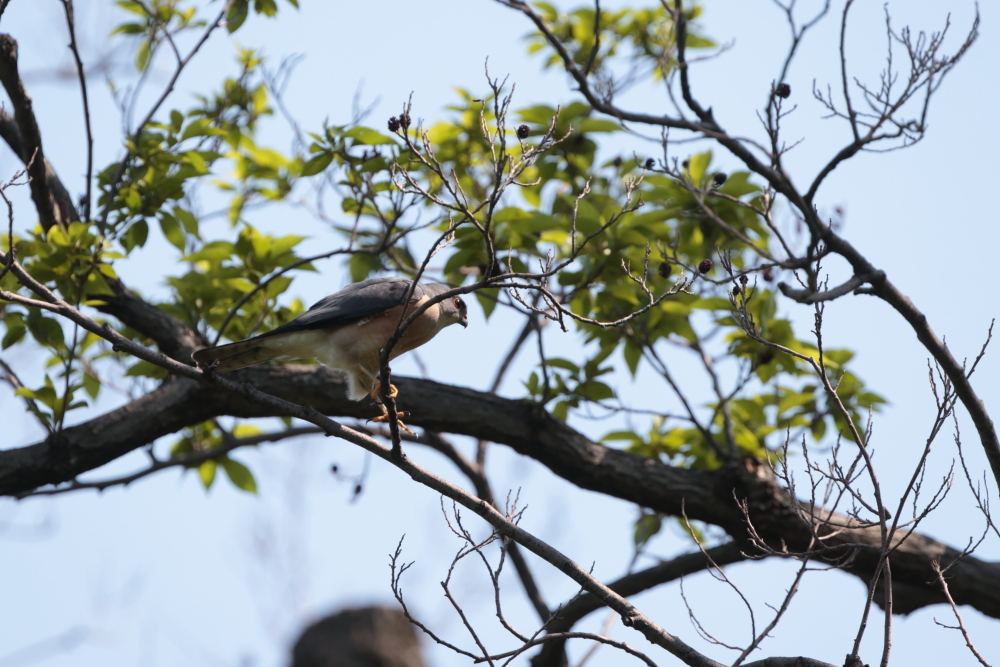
(529,430)
(52,209)
(52,188)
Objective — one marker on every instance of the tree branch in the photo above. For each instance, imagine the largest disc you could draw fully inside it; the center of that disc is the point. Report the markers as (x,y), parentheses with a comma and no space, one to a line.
(531,431)
(54,192)
(49,211)
(569,614)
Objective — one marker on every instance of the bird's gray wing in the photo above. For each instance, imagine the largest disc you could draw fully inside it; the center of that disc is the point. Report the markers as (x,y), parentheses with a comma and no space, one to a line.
(353,303)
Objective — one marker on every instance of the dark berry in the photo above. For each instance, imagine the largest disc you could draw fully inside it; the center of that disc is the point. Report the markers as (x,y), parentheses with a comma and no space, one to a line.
(523,131)
(664,270)
(768,274)
(744,280)
(650,163)
(705,266)
(617,161)
(718,179)
(393,124)
(783,90)
(685,164)
(737,290)
(404,120)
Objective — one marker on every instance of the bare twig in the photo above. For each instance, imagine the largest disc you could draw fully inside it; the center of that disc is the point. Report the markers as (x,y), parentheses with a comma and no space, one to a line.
(81,76)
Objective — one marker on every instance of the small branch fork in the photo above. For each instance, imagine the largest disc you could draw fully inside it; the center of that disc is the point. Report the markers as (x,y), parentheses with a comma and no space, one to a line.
(958,617)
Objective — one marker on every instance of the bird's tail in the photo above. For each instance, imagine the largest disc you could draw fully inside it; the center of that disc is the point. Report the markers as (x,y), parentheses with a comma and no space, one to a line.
(236,355)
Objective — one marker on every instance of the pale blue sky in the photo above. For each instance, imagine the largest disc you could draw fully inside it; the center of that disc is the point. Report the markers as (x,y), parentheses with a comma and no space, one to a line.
(164,574)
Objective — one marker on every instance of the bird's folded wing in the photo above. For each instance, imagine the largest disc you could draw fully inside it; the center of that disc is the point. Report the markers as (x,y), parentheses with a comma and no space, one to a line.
(354,302)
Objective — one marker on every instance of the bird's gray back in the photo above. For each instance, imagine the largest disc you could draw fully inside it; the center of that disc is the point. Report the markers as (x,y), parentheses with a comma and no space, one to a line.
(355,302)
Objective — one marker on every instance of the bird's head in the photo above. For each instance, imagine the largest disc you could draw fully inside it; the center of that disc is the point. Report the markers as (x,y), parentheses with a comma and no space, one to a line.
(454,311)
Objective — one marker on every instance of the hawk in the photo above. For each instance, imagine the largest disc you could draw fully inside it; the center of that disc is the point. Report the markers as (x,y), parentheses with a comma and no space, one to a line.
(345,331)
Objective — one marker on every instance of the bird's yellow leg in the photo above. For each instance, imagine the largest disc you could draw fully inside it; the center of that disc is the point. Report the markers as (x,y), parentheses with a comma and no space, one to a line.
(376,385)
(384,417)
(393,392)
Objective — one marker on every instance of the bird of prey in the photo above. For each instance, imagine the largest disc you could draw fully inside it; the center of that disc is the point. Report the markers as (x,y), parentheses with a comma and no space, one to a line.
(345,331)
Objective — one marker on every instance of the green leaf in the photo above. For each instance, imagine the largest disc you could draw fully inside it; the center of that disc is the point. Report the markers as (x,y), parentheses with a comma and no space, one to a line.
(265,7)
(199,127)
(45,330)
(595,391)
(565,364)
(488,301)
(246,431)
(627,436)
(632,354)
(368,136)
(142,54)
(646,526)
(132,6)
(135,236)
(172,231)
(597,125)
(214,251)
(239,475)
(236,15)
(284,244)
(91,385)
(267,157)
(129,29)
(187,219)
(317,164)
(13,336)
(697,165)
(206,472)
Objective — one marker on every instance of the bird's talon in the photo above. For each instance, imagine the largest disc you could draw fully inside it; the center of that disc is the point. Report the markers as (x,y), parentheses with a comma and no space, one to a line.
(399,422)
(393,393)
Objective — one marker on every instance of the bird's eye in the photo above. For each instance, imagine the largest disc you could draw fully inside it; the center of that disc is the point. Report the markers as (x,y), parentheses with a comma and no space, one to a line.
(459,303)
